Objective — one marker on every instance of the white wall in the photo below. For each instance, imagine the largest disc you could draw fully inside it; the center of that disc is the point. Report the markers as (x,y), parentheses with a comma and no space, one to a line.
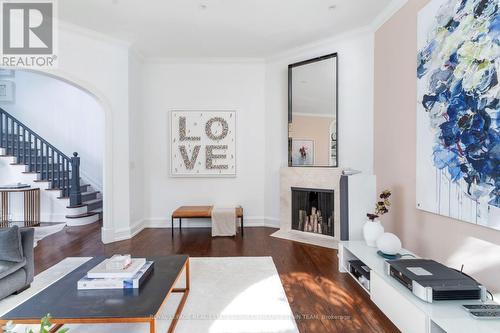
(204,86)
(136,142)
(258,92)
(355,52)
(66,116)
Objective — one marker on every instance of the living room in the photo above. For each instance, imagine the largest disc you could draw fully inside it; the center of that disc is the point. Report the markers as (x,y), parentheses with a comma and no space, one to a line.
(255,152)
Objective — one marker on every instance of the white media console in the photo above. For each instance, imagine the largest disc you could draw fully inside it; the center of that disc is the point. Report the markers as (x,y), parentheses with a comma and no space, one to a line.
(406,311)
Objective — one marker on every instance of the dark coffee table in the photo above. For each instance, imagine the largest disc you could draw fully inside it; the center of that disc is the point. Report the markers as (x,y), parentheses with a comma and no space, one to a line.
(68,305)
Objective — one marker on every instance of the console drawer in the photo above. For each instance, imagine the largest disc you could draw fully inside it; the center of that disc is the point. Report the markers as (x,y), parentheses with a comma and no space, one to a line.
(407,317)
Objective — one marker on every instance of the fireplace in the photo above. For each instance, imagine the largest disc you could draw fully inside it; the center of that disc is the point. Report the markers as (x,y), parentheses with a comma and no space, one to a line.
(313,211)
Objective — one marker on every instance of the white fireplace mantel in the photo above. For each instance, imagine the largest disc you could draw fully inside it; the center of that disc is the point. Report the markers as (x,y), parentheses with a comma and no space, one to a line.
(361,195)
(314,178)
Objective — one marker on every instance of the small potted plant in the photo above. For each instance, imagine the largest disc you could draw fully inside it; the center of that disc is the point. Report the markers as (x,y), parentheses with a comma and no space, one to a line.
(45,325)
(372,229)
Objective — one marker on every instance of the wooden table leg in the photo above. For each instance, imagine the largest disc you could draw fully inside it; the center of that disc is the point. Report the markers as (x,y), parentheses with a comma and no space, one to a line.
(241,219)
(37,207)
(185,291)
(5,208)
(152,325)
(188,276)
(172,227)
(27,205)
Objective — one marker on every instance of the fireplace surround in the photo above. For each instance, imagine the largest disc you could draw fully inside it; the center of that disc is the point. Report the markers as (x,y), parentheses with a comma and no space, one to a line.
(352,204)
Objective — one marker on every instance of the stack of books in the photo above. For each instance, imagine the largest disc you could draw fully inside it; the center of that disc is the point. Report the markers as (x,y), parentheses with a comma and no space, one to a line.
(118,272)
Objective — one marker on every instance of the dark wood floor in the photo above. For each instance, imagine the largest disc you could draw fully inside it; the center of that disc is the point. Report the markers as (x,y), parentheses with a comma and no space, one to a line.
(323,299)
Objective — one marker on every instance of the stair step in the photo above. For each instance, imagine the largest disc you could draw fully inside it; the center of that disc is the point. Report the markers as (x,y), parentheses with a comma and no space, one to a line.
(86,196)
(82,215)
(83,188)
(99,211)
(94,202)
(58,189)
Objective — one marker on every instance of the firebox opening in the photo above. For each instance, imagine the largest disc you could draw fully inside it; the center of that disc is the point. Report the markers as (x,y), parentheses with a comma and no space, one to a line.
(313,211)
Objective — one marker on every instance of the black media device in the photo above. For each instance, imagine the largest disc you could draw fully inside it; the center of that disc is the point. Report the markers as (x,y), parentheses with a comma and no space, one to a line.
(485,314)
(481,307)
(432,281)
(361,272)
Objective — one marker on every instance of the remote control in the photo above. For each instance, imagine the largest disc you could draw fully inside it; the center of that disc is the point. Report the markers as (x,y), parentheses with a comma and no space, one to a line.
(481,307)
(485,314)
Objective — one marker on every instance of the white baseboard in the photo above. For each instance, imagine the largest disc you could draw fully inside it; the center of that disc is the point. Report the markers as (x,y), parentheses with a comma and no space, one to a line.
(251,221)
(111,235)
(272,222)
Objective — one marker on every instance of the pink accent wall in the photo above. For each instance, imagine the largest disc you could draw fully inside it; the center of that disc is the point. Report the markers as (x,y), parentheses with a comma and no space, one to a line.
(316,129)
(444,239)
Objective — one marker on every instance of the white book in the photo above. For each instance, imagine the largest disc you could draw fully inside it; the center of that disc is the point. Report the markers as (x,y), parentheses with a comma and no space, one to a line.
(86,283)
(101,272)
(118,261)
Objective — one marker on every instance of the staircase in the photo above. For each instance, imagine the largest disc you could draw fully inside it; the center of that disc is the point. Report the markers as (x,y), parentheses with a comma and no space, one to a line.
(51,168)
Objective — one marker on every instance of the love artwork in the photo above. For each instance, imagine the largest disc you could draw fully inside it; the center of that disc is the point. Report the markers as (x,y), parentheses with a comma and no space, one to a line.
(203,143)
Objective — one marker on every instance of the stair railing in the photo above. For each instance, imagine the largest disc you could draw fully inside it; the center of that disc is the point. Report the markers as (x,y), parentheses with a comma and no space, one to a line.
(40,156)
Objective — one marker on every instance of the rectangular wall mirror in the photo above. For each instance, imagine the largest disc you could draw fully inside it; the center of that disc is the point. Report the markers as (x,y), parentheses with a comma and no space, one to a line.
(312,112)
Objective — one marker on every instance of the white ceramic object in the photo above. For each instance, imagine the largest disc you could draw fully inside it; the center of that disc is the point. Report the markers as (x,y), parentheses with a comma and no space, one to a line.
(372,231)
(389,244)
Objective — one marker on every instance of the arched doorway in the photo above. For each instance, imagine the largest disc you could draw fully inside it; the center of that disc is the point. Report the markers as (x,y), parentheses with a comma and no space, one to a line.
(102,182)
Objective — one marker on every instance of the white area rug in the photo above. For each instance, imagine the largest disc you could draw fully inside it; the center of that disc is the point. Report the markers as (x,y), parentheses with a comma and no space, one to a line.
(42,232)
(228,295)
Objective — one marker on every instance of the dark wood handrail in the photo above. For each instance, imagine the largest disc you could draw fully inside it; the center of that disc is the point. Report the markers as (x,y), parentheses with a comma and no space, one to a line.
(53,165)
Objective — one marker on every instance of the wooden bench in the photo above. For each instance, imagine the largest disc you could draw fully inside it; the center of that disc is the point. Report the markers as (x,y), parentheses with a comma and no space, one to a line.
(199,212)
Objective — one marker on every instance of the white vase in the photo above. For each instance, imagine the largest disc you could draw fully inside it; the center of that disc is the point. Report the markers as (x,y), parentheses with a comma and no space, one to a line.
(372,230)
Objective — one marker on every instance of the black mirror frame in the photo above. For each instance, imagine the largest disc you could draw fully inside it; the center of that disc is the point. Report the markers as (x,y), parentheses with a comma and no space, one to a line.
(306,62)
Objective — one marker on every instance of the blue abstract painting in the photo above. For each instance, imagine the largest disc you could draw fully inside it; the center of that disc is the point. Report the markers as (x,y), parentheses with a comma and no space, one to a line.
(458,118)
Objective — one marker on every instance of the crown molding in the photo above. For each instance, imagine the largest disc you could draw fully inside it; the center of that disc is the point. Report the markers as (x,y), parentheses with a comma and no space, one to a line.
(387,13)
(70,27)
(391,9)
(323,43)
(137,55)
(207,60)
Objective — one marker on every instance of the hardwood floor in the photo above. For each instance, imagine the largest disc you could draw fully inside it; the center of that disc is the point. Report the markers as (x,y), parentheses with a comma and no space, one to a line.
(323,299)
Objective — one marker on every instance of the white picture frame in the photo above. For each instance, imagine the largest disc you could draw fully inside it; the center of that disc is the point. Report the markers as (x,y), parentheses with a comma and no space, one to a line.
(7,91)
(305,158)
(203,130)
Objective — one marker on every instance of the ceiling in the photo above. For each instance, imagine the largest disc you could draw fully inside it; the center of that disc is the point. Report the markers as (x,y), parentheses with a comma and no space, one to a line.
(220,28)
